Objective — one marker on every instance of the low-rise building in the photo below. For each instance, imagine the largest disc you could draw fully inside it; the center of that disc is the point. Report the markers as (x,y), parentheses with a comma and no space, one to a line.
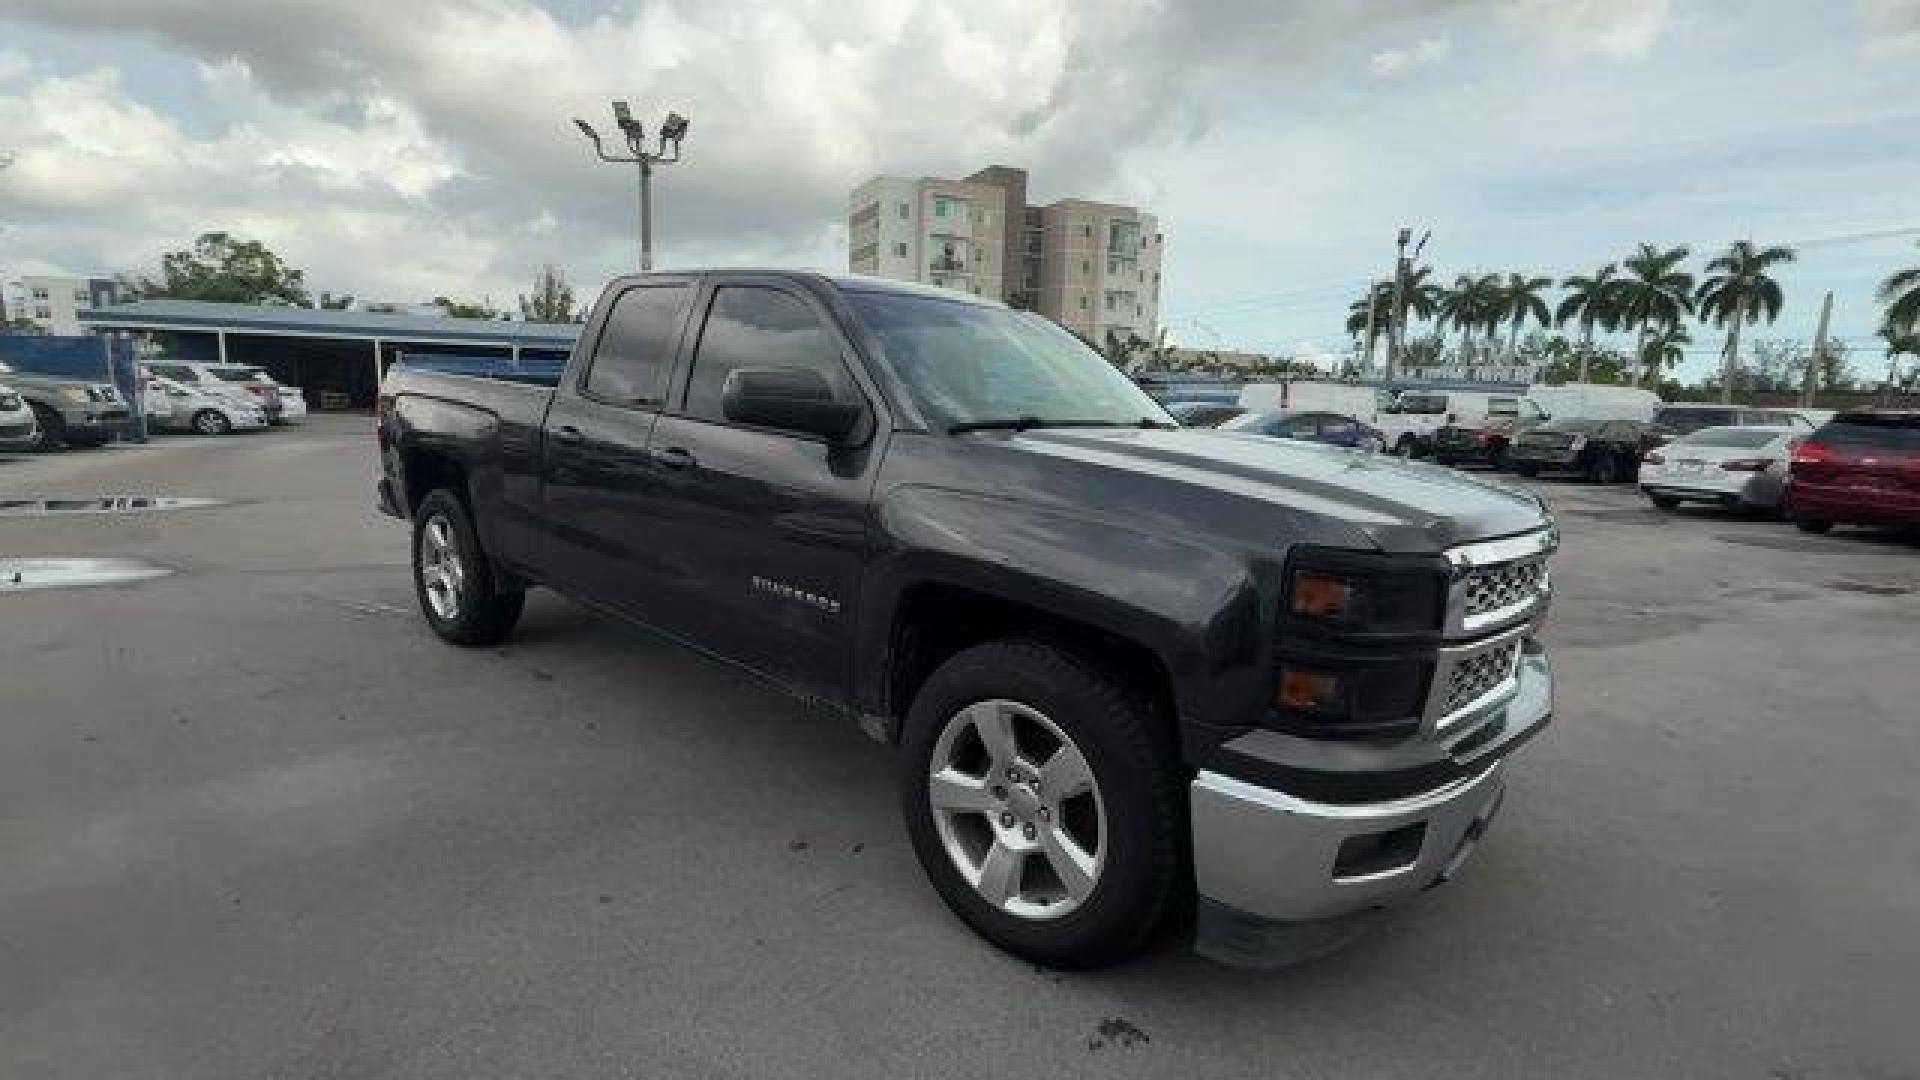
(54,302)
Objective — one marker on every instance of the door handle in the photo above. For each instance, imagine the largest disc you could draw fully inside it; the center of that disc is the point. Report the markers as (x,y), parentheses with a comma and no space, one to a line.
(677,458)
(568,434)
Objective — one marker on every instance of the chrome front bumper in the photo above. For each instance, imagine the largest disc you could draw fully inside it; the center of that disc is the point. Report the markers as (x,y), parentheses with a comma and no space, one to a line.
(1282,878)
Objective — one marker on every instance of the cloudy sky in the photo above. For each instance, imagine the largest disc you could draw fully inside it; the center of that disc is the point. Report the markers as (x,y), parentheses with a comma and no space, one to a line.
(404,150)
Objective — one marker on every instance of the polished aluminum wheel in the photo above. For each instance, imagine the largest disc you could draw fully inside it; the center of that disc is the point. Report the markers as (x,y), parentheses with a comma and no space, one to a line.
(1018,809)
(440,567)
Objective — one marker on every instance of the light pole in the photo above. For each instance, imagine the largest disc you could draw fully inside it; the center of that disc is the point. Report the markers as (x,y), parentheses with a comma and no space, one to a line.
(1397,312)
(672,130)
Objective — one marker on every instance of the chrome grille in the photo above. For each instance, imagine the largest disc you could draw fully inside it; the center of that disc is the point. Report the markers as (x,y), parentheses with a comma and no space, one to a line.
(1497,588)
(1477,676)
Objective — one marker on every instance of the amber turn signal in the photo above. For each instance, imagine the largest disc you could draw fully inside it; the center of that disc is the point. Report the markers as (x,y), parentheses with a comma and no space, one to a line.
(1308,691)
(1321,596)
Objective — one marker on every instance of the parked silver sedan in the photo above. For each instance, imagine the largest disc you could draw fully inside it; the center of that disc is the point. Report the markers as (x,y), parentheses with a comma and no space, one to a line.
(1743,467)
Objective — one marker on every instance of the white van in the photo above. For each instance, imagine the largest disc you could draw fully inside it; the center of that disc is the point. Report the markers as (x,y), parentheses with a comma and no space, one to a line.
(1300,395)
(1596,401)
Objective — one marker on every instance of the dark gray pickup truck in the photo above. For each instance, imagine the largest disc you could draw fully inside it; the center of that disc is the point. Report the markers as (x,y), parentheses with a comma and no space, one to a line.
(1127,666)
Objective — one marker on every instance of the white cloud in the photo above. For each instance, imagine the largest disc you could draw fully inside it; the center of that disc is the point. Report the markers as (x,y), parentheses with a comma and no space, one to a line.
(13,65)
(1392,63)
(1893,27)
(1613,29)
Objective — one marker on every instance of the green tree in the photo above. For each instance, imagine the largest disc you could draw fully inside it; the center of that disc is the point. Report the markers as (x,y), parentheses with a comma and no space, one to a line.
(330,302)
(551,300)
(1656,292)
(1739,289)
(1520,300)
(1901,293)
(1376,303)
(1664,349)
(1591,300)
(457,309)
(1472,303)
(224,269)
(19,325)
(1900,342)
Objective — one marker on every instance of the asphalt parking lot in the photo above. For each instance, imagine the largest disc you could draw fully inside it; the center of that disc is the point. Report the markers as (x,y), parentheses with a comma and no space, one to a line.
(256,821)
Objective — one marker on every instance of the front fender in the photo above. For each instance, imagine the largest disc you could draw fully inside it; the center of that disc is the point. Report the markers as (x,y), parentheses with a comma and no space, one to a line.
(1201,610)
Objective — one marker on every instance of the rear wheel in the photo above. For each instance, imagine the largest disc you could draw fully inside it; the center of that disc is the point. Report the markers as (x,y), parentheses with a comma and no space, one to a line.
(52,430)
(1603,469)
(1664,502)
(454,579)
(1407,448)
(1812,525)
(1043,802)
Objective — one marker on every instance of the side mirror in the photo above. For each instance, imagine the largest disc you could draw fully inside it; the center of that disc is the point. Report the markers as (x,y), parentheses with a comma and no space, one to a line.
(787,399)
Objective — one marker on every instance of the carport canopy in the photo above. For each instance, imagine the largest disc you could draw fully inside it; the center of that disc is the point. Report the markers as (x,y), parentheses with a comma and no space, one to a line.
(337,357)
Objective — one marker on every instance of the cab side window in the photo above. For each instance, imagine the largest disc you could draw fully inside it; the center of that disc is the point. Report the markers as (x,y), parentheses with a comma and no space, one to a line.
(752,326)
(635,351)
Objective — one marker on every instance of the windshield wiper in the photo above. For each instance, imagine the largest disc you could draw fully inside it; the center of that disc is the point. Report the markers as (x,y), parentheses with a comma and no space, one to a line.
(1029,422)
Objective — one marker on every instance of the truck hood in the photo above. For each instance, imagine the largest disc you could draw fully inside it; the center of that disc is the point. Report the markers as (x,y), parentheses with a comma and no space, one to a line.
(1398,505)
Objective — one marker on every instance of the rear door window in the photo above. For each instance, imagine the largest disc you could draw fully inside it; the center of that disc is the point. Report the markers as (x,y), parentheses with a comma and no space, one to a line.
(635,350)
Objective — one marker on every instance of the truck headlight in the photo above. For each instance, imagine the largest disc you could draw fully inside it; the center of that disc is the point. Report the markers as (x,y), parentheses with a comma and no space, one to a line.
(76,394)
(1366,594)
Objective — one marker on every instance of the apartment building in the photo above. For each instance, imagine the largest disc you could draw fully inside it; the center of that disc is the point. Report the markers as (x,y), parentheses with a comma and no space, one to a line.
(54,302)
(1093,267)
(950,233)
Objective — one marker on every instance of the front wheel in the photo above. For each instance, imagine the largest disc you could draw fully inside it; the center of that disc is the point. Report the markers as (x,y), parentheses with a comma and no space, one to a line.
(453,579)
(1525,469)
(1664,502)
(1406,448)
(1044,803)
(211,422)
(1812,525)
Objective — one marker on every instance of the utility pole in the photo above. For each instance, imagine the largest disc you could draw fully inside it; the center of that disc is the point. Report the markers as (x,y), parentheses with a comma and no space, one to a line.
(1397,312)
(672,130)
(1819,357)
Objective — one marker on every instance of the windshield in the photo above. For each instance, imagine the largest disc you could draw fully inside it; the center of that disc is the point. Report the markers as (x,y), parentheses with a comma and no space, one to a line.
(235,374)
(1684,420)
(971,364)
(1503,406)
(1746,438)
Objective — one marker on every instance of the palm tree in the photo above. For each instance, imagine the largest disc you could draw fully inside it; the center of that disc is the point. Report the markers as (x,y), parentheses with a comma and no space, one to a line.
(1664,349)
(1592,301)
(1901,293)
(1374,305)
(1472,303)
(1739,290)
(1900,341)
(1656,292)
(1519,301)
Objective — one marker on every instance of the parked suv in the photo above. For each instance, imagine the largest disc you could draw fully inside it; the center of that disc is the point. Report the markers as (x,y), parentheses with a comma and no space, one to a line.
(1860,468)
(69,412)
(251,379)
(1603,451)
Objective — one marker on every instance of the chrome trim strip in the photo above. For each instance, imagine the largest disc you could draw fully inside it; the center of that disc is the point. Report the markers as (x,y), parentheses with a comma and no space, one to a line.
(1510,549)
(1453,657)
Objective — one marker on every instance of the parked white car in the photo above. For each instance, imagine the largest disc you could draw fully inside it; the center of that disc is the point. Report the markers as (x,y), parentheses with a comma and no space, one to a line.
(248,379)
(19,430)
(202,408)
(1743,467)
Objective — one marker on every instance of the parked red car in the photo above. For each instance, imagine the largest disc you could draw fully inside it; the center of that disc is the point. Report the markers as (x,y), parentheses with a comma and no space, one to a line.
(1861,468)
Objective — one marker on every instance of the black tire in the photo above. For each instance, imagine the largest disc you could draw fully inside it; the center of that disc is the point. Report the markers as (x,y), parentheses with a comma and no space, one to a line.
(1527,469)
(52,430)
(1603,469)
(1664,502)
(1812,525)
(1407,449)
(482,613)
(1497,458)
(211,422)
(1135,768)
